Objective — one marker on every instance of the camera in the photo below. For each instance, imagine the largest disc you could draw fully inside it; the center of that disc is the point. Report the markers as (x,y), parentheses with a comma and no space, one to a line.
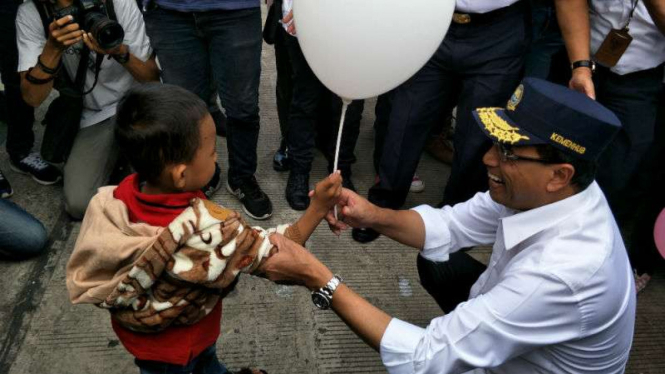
(91,17)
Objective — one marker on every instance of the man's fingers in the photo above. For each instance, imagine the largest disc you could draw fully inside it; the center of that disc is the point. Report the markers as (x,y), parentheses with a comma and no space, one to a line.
(65,30)
(72,41)
(62,21)
(276,239)
(69,36)
(87,42)
(288,17)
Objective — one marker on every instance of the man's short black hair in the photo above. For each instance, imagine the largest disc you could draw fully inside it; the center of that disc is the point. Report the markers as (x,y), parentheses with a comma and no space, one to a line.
(585,170)
(158,125)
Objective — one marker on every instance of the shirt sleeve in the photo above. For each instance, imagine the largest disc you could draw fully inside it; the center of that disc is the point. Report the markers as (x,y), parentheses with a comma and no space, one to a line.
(448,229)
(525,311)
(131,19)
(30,38)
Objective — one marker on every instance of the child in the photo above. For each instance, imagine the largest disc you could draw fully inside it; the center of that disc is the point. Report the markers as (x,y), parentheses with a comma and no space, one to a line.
(154,252)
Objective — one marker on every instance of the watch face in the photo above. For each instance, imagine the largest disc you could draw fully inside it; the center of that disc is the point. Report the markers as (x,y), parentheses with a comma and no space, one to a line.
(320,300)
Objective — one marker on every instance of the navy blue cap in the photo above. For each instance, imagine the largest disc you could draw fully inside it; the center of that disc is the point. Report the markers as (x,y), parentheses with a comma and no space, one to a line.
(541,112)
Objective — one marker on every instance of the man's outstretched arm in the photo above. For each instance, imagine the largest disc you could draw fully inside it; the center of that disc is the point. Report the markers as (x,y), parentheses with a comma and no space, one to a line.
(404,226)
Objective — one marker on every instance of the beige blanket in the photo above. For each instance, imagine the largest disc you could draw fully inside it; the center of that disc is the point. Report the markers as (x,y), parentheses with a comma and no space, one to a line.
(152,277)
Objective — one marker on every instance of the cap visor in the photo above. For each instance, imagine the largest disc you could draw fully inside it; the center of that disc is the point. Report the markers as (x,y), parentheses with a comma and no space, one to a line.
(496,124)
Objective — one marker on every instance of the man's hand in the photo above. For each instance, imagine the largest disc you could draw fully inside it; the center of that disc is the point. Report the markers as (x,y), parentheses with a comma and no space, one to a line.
(326,193)
(354,211)
(63,34)
(582,82)
(292,264)
(288,20)
(92,44)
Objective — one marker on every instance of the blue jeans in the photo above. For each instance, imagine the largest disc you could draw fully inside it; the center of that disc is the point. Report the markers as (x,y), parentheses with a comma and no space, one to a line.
(205,363)
(21,235)
(225,45)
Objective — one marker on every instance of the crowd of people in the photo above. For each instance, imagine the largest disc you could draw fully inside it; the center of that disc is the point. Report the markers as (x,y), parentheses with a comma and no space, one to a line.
(570,91)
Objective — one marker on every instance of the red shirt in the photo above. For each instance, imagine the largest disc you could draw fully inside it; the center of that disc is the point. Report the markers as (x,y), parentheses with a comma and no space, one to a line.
(177,344)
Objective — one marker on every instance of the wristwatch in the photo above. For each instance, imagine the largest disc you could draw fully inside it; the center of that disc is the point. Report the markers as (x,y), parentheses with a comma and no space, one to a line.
(123,58)
(322,297)
(584,64)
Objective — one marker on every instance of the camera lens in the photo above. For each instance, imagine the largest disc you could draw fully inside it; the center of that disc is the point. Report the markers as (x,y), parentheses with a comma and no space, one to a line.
(108,33)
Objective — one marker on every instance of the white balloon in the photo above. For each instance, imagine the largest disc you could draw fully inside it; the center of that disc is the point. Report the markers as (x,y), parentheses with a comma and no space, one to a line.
(363,48)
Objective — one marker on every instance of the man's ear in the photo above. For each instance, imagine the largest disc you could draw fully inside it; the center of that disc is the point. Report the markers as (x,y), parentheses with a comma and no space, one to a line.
(177,174)
(562,176)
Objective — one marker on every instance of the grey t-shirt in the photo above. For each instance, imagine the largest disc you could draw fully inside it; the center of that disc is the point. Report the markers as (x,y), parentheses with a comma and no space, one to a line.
(114,80)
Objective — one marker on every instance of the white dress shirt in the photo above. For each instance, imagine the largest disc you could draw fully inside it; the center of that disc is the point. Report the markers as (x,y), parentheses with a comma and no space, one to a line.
(481,6)
(557,296)
(647,49)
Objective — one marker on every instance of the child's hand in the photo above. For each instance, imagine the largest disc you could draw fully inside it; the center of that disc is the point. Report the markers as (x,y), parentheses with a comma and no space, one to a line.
(326,193)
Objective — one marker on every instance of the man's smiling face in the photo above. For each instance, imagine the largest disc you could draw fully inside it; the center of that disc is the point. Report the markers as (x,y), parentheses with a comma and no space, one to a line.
(517,184)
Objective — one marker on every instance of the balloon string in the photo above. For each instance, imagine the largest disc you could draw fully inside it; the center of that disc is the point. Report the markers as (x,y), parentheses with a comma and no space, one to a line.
(345,105)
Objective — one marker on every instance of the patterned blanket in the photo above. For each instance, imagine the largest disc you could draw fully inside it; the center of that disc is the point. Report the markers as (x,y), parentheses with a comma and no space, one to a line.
(180,273)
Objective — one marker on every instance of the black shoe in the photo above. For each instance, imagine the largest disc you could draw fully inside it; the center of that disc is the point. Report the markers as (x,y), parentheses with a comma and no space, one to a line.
(255,203)
(297,190)
(214,184)
(281,160)
(220,122)
(41,171)
(5,187)
(364,235)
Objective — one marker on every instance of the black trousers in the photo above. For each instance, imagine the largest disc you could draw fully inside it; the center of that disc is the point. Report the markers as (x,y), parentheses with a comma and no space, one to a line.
(477,65)
(634,99)
(305,104)
(639,220)
(20,116)
(450,282)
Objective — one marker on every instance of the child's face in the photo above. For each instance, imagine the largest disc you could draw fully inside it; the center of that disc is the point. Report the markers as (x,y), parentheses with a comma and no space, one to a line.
(201,169)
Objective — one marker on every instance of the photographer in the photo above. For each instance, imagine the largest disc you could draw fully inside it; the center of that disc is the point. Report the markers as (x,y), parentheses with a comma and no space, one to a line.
(110,73)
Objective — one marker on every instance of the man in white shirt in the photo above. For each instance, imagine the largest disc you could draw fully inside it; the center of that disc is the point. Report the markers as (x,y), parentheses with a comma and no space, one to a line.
(628,49)
(557,295)
(41,58)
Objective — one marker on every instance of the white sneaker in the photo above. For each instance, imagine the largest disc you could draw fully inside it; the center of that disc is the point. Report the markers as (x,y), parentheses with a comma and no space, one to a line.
(417,185)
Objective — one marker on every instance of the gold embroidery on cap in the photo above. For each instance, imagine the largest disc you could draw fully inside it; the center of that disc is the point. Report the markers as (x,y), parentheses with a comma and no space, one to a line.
(568,143)
(516,98)
(498,127)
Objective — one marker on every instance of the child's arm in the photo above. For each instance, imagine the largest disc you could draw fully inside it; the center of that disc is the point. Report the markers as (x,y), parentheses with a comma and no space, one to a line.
(323,198)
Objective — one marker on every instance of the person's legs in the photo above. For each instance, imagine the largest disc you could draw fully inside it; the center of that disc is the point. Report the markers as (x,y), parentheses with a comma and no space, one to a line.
(89,165)
(491,69)
(283,93)
(450,282)
(634,99)
(21,235)
(181,50)
(305,100)
(20,116)
(235,57)
(306,97)
(546,40)
(205,363)
(415,106)
(234,44)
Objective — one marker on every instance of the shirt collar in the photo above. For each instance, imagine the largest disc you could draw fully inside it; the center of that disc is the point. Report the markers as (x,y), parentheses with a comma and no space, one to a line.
(523,225)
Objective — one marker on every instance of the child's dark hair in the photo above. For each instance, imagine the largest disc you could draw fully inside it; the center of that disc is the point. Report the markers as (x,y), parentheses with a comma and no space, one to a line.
(158,125)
